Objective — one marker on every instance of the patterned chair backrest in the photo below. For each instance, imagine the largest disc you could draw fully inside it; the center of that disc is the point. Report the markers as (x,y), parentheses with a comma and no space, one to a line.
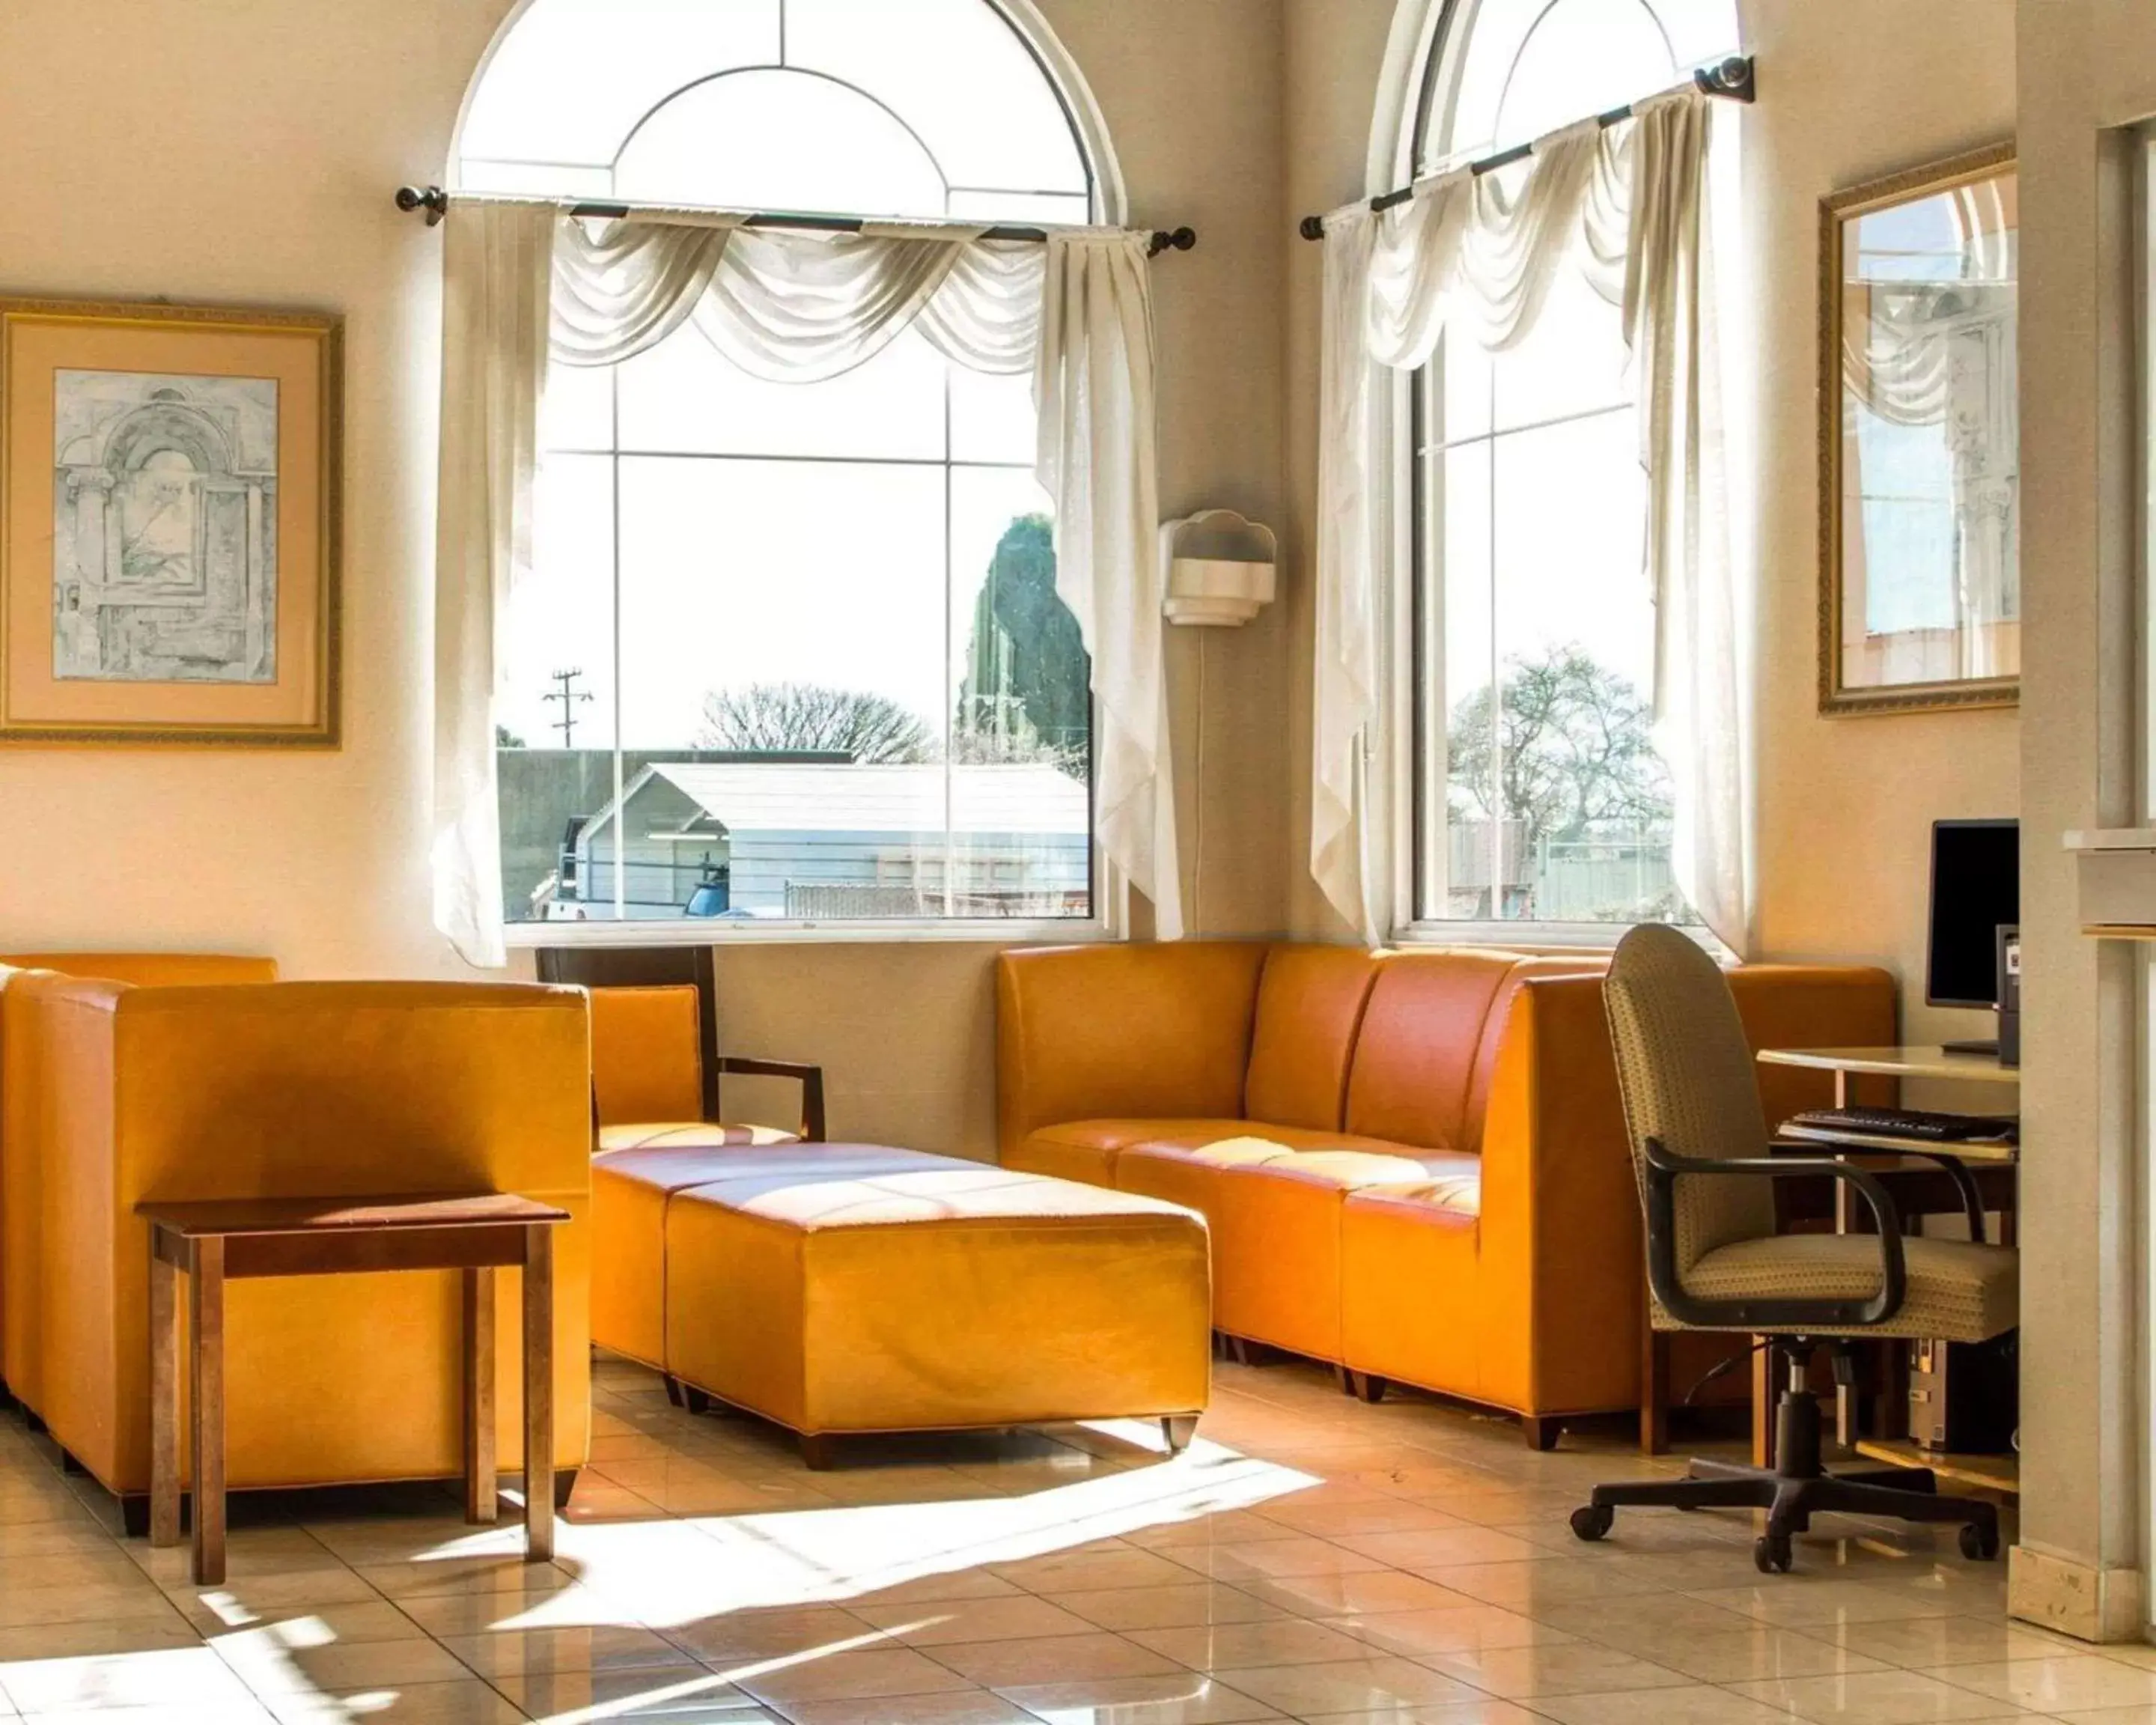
(1685,1070)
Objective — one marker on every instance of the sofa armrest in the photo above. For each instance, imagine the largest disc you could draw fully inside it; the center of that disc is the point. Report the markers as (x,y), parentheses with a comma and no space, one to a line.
(1087,1032)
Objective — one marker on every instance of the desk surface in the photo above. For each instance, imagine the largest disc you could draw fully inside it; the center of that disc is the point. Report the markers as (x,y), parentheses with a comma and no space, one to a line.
(1928,1062)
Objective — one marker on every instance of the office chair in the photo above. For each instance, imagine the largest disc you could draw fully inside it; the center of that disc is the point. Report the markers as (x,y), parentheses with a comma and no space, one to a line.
(1700,1147)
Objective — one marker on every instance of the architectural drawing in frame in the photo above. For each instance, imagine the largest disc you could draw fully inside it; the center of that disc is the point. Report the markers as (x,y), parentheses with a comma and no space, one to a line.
(165,527)
(171,509)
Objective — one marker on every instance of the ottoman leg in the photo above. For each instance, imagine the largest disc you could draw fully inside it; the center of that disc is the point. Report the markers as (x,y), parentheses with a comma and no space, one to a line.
(673,1388)
(817,1453)
(1179,1428)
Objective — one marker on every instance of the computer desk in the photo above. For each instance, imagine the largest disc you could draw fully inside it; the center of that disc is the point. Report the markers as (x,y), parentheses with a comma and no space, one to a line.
(1928,1062)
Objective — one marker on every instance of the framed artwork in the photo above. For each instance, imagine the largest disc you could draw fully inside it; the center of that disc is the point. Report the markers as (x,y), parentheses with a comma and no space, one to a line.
(1920,469)
(170,517)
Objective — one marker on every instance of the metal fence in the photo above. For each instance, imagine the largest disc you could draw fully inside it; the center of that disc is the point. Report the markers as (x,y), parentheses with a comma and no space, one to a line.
(1618,874)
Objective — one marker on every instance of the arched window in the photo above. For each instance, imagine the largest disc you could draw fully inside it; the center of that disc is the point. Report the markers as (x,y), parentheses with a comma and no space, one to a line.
(788,651)
(1538,795)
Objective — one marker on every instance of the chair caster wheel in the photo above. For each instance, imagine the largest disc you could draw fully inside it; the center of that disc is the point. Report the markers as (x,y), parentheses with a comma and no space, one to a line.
(1593,1521)
(1771,1553)
(1979,1541)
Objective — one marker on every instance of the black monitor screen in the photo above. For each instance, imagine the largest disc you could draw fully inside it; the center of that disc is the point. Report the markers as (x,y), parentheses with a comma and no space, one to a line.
(1976,886)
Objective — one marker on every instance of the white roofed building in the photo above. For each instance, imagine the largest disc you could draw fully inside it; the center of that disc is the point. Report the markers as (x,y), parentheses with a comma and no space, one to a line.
(833,841)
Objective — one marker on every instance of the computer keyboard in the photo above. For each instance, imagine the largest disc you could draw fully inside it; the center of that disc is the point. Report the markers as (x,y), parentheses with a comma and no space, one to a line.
(1910,1123)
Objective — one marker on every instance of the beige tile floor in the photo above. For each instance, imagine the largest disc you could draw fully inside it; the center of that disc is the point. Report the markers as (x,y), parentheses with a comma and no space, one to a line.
(1310,1558)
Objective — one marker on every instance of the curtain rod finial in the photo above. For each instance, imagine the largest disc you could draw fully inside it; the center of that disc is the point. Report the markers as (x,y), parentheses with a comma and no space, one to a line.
(430,198)
(1734,77)
(1182,240)
(1311,228)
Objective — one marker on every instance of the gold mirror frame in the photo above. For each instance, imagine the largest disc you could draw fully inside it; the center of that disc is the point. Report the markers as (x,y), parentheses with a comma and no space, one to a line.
(1837,212)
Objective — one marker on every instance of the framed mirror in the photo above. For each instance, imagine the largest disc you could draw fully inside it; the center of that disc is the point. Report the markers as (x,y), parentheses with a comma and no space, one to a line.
(1920,516)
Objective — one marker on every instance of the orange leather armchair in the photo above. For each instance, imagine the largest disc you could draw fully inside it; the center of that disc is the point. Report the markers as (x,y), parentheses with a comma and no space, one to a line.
(1413,1164)
(296,1089)
(22,1105)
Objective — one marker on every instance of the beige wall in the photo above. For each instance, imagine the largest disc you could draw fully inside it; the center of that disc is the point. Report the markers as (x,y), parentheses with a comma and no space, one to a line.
(1844,805)
(263,140)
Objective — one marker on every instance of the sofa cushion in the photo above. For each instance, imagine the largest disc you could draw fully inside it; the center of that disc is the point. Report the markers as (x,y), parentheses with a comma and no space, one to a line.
(1310,1002)
(1430,1041)
(1091,1150)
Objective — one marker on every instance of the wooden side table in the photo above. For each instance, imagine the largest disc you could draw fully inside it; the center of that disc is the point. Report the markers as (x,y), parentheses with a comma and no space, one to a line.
(216,1242)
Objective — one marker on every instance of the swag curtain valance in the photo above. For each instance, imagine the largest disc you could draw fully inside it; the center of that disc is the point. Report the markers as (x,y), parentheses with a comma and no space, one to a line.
(1475,255)
(523,282)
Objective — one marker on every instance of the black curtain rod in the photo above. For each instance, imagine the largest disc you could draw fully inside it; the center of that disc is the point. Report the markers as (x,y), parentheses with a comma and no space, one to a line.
(435,202)
(1732,77)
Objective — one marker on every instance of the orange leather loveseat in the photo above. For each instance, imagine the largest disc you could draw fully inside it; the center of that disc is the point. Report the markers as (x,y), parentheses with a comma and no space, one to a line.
(296,1089)
(1413,1163)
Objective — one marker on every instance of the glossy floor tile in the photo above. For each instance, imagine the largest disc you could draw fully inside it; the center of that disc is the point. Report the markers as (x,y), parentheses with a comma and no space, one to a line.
(1309,1559)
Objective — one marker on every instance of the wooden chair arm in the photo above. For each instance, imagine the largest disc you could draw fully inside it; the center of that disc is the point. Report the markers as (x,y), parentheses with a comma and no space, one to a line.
(810,1079)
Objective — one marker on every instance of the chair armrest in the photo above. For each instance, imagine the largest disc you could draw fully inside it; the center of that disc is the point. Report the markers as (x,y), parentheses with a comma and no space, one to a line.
(1664,1167)
(1954,1169)
(810,1079)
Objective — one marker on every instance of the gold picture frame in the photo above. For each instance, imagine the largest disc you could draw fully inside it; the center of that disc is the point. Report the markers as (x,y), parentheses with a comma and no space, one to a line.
(1947,634)
(171,525)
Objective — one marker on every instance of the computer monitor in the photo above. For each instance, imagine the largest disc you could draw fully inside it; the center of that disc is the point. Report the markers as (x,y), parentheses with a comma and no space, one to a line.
(1976,888)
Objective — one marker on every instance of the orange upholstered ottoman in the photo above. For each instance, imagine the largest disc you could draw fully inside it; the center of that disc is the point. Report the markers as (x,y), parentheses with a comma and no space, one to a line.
(845,1288)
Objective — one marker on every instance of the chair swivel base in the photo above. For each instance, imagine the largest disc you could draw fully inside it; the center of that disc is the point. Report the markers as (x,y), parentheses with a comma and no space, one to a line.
(1795,1490)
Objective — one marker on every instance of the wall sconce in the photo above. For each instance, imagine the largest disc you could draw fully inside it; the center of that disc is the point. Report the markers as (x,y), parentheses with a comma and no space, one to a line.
(1221,568)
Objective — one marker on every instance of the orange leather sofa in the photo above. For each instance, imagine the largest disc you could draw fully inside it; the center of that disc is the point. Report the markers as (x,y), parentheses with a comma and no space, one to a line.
(23,1099)
(1414,1163)
(294,1090)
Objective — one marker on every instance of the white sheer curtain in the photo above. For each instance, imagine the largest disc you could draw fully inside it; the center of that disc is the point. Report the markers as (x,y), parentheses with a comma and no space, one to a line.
(1476,254)
(798,307)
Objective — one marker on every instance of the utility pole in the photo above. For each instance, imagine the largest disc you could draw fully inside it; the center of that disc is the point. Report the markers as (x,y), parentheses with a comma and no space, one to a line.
(569,696)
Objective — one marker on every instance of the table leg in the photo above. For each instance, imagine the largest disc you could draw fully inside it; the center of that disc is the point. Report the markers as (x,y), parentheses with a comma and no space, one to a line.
(1655,1392)
(1763,1394)
(480,1488)
(164,1400)
(538,1394)
(1845,1219)
(206,1289)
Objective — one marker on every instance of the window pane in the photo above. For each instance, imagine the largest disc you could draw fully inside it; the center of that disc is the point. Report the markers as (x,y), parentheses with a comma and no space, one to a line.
(1457,706)
(1585,800)
(570,80)
(1069,210)
(685,395)
(554,708)
(1021,706)
(992,417)
(778,139)
(577,412)
(1573,360)
(961,76)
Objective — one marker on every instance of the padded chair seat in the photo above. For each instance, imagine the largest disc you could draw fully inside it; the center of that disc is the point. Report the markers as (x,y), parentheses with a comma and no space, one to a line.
(691,1135)
(1957,1291)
